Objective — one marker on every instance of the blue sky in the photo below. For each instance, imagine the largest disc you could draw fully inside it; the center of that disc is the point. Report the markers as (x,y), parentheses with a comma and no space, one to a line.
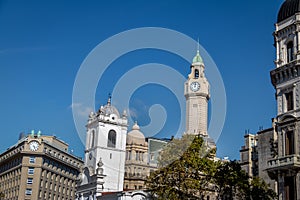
(43,43)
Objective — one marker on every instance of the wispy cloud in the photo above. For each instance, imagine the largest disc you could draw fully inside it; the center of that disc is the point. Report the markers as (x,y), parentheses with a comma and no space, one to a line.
(81,110)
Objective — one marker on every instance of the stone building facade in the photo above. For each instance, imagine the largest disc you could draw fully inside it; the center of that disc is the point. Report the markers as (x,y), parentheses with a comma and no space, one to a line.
(39,167)
(279,147)
(137,165)
(284,166)
(249,155)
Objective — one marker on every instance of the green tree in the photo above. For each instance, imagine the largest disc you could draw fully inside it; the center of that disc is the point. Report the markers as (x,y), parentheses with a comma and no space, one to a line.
(231,181)
(260,190)
(187,171)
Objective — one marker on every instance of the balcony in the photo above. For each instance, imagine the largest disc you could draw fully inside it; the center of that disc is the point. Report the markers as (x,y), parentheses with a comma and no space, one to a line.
(284,163)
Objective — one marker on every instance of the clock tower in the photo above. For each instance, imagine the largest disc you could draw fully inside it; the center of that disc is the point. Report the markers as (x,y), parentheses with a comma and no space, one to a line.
(196,92)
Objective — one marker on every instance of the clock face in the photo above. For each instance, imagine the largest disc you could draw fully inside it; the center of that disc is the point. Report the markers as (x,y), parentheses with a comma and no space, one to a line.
(195,86)
(34,146)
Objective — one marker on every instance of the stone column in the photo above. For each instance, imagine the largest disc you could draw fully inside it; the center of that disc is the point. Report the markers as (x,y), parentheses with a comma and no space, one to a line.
(277,50)
(296,136)
(298,40)
(295,42)
(280,187)
(297,186)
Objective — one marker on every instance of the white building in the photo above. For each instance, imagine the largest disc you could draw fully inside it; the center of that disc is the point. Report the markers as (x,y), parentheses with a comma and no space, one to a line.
(104,153)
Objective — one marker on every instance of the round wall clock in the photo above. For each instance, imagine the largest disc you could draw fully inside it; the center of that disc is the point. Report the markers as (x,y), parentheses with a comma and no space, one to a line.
(195,86)
(34,145)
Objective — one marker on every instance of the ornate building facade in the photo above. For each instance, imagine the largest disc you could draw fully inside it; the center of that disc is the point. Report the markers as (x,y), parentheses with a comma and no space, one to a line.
(39,167)
(284,167)
(137,165)
(279,146)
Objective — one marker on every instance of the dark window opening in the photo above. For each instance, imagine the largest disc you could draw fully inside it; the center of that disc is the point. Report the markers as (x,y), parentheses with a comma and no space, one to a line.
(289,143)
(290,52)
(289,101)
(289,188)
(93,139)
(196,73)
(111,142)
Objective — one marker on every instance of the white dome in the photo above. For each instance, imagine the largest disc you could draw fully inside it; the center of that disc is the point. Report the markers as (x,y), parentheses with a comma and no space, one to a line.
(109,109)
(135,136)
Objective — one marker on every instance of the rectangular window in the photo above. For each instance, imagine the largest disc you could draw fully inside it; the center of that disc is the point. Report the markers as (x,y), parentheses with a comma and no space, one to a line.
(290,52)
(29,181)
(289,188)
(289,143)
(289,101)
(28,191)
(32,159)
(30,170)
(137,155)
(112,139)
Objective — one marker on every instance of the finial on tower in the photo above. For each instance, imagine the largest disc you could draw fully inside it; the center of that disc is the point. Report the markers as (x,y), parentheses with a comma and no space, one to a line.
(198,46)
(197,58)
(109,99)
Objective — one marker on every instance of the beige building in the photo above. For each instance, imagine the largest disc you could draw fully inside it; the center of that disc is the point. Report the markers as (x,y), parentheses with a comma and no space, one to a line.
(38,167)
(249,156)
(139,160)
(255,153)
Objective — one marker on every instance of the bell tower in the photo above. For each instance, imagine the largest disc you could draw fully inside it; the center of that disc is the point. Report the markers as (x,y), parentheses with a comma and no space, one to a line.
(196,92)
(104,153)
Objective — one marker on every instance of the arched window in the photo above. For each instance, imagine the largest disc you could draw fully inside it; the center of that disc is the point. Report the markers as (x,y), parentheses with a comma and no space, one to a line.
(196,73)
(92,141)
(111,142)
(290,52)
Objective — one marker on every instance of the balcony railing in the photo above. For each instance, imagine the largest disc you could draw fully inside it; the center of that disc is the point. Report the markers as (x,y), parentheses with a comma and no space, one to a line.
(286,161)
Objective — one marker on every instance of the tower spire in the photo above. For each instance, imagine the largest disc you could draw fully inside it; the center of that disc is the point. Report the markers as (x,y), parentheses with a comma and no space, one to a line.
(197,58)
(198,47)
(109,99)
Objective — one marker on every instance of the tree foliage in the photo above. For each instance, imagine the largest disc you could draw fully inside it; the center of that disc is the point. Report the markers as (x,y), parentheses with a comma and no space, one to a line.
(187,171)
